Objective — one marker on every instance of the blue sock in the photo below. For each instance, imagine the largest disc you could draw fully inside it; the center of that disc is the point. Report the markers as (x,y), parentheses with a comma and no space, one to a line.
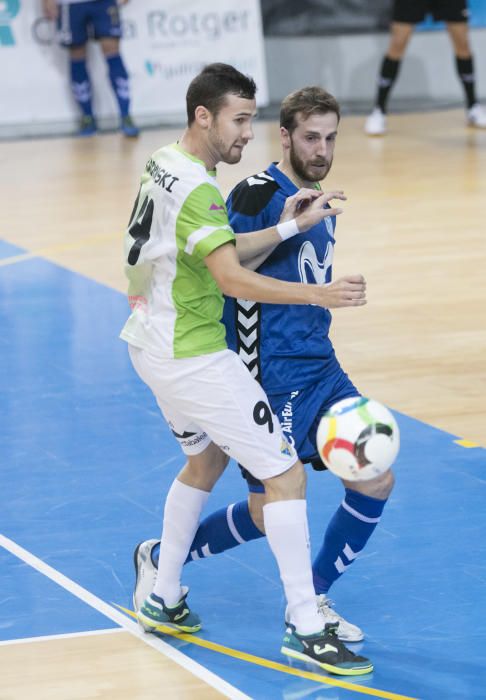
(346,535)
(81,86)
(119,81)
(222,530)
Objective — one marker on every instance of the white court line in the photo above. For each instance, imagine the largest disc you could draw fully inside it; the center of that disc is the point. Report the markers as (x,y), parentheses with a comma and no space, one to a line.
(105,609)
(67,635)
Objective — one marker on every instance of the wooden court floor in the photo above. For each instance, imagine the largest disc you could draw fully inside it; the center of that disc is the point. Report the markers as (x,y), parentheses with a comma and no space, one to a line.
(414,225)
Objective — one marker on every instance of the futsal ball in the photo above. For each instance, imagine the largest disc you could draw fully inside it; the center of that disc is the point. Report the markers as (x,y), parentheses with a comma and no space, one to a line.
(358,439)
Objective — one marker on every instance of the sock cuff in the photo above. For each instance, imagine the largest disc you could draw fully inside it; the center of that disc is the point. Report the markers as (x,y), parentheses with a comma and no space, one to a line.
(189,494)
(366,508)
(286,511)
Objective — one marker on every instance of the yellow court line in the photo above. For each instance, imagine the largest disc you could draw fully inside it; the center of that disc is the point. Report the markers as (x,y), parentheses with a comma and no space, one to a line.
(466,443)
(273,665)
(57,248)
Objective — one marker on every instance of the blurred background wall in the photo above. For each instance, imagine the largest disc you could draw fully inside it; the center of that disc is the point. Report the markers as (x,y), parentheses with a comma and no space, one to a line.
(284,44)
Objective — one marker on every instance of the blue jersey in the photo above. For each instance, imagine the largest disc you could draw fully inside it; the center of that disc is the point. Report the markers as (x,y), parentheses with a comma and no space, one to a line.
(286,347)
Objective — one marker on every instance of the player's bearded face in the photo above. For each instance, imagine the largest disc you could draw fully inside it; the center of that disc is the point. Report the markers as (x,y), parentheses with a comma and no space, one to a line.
(231,129)
(311,145)
(310,167)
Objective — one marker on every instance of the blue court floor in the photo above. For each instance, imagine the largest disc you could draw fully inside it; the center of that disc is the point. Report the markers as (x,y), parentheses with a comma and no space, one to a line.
(86,461)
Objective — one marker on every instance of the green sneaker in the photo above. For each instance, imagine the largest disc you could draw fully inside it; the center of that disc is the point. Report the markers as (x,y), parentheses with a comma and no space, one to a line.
(128,128)
(325,650)
(87,126)
(154,613)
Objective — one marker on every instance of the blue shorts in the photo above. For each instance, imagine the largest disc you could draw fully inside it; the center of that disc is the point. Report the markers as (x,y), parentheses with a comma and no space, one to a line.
(300,412)
(93,19)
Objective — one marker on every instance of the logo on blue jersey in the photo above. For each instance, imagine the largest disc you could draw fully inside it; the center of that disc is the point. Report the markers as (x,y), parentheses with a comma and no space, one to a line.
(8,10)
(311,269)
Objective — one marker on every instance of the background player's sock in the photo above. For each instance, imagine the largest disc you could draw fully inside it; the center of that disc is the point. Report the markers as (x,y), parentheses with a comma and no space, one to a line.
(120,83)
(81,86)
(465,70)
(288,537)
(346,535)
(388,75)
(182,510)
(224,529)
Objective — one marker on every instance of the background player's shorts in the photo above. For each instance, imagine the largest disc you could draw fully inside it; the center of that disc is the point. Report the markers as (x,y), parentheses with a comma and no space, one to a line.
(215,398)
(414,11)
(88,20)
(300,413)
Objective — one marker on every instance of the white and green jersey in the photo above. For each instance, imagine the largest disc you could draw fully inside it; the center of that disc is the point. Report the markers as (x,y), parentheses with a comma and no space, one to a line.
(179,218)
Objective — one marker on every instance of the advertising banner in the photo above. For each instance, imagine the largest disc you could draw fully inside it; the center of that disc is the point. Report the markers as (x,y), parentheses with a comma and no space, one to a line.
(165,44)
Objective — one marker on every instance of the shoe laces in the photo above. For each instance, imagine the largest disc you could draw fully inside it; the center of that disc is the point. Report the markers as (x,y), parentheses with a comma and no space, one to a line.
(326,608)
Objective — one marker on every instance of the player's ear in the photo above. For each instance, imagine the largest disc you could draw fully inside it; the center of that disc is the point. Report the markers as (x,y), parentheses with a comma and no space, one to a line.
(202,116)
(284,137)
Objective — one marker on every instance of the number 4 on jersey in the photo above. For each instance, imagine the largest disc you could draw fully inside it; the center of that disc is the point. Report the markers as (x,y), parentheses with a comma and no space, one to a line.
(139,227)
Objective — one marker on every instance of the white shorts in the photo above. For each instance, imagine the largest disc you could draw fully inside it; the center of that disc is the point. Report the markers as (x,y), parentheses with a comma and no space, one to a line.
(215,398)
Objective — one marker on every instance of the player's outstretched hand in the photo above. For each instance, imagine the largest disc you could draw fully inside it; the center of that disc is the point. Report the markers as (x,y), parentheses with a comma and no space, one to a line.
(345,291)
(315,211)
(298,202)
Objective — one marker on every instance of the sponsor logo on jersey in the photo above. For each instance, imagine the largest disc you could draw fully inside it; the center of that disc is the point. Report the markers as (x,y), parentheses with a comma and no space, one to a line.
(311,269)
(216,207)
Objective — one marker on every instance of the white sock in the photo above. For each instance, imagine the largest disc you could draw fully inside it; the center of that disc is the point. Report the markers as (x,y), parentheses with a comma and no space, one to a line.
(182,511)
(288,537)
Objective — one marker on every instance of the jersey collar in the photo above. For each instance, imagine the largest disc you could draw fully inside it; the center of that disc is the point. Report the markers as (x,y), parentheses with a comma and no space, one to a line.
(283,181)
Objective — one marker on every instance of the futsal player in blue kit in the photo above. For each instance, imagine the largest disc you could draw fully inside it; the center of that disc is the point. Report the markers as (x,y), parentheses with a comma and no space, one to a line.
(289,351)
(77,22)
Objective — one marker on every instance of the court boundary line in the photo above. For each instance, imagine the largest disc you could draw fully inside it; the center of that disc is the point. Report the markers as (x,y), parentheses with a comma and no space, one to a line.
(122,620)
(53,637)
(274,665)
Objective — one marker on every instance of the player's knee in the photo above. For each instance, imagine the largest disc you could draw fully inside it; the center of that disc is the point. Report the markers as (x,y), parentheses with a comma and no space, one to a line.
(203,470)
(77,53)
(399,39)
(287,486)
(110,46)
(380,487)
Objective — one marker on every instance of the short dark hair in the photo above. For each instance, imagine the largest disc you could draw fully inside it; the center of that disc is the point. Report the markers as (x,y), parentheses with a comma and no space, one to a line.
(307,101)
(213,84)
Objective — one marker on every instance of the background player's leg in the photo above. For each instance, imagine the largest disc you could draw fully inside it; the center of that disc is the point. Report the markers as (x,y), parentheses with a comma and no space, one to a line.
(350,528)
(400,34)
(458,33)
(81,88)
(120,83)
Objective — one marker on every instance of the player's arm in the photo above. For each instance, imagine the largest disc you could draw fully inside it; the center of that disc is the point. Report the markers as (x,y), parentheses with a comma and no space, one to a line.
(50,9)
(236,281)
(302,211)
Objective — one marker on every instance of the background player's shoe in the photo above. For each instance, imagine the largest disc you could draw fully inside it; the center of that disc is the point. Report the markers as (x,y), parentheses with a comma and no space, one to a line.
(476,116)
(375,125)
(155,613)
(325,650)
(128,128)
(347,632)
(145,572)
(87,126)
